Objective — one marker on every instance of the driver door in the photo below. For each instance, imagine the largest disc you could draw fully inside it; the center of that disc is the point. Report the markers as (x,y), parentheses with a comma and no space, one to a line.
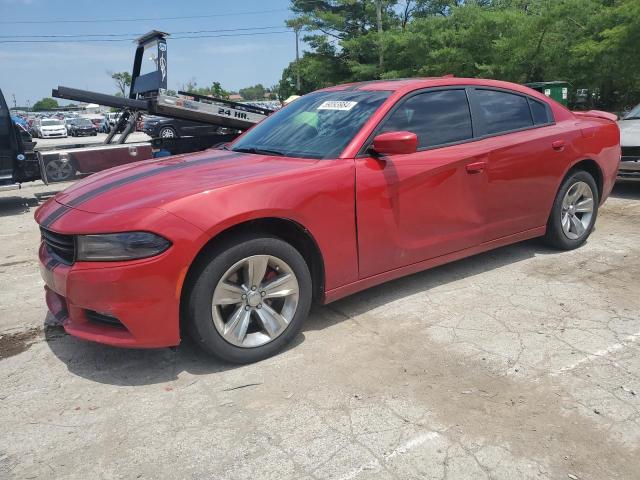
(418,206)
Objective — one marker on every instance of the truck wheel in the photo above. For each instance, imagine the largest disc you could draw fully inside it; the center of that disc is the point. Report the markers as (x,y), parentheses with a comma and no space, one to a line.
(574,212)
(247,300)
(167,132)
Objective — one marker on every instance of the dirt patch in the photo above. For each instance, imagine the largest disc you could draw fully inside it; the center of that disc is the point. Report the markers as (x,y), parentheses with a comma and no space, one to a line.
(14,343)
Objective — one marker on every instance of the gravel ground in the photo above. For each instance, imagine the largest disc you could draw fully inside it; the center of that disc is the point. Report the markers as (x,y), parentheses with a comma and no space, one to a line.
(518,363)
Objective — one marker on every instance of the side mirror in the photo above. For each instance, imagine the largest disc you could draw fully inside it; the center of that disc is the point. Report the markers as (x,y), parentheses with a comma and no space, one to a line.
(395,143)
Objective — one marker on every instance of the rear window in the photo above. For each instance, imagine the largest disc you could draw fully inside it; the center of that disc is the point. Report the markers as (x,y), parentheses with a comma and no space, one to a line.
(501,111)
(540,112)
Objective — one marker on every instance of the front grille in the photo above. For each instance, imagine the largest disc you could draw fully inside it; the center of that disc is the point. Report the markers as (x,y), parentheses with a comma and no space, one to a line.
(631,151)
(103,319)
(59,245)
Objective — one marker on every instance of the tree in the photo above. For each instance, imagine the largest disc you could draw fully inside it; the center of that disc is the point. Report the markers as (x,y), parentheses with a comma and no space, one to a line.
(45,104)
(215,90)
(122,79)
(253,93)
(589,43)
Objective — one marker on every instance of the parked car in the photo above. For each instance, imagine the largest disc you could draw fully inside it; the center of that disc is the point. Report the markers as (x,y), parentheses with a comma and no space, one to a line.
(343,189)
(49,128)
(103,126)
(82,126)
(160,127)
(630,141)
(18,120)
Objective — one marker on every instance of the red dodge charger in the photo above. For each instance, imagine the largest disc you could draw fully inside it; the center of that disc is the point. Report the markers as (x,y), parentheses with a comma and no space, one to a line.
(345,188)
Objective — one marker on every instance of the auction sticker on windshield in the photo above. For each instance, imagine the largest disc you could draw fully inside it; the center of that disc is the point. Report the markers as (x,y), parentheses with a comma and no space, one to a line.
(337,105)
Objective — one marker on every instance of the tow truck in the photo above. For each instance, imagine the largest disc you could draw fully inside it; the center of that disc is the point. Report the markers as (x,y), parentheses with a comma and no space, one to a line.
(18,160)
(147,95)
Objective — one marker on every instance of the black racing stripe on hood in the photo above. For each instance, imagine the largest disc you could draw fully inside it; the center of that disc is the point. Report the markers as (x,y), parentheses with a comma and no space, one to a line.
(56,214)
(127,180)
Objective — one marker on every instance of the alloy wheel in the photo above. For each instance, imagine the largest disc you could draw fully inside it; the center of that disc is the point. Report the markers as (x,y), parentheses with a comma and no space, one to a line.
(577,210)
(255,300)
(167,133)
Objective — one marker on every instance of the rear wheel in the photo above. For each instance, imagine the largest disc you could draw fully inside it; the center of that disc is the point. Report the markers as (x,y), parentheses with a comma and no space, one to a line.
(248,299)
(574,212)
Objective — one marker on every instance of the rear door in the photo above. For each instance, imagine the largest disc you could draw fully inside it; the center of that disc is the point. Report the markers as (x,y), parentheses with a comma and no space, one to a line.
(526,149)
(422,205)
(7,143)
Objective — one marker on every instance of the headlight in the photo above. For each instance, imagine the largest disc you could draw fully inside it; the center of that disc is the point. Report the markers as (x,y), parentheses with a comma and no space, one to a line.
(119,246)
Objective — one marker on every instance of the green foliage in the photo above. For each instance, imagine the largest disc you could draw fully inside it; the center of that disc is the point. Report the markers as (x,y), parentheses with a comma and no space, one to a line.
(214,90)
(45,104)
(592,44)
(256,92)
(122,80)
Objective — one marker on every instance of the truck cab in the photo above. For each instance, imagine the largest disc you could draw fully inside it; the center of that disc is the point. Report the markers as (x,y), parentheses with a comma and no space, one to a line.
(18,161)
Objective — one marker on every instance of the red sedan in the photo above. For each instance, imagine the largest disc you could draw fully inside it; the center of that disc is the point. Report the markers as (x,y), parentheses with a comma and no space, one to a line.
(345,188)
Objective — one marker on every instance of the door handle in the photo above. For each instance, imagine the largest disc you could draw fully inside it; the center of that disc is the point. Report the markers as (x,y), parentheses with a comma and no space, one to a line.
(558,145)
(476,167)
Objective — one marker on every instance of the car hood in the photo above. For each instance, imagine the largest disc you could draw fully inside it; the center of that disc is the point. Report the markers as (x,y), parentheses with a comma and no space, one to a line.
(52,127)
(629,133)
(157,183)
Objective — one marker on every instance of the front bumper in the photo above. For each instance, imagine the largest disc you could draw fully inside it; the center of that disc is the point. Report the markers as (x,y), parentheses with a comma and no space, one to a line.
(145,304)
(81,133)
(143,295)
(53,134)
(629,169)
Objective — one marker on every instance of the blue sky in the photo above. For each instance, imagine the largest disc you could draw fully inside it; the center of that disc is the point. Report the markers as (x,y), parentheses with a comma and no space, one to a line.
(31,70)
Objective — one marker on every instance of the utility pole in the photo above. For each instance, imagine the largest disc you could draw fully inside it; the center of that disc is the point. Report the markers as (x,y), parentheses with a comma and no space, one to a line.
(297,30)
(15,105)
(379,21)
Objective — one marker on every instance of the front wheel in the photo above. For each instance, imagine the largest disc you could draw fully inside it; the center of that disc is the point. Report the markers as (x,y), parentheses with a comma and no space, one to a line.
(167,132)
(574,212)
(248,300)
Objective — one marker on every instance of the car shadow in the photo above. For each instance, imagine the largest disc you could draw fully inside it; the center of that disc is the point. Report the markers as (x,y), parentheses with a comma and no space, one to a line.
(133,367)
(16,205)
(126,367)
(629,190)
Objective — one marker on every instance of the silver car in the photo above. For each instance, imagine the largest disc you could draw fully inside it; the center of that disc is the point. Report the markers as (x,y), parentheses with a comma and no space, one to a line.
(630,142)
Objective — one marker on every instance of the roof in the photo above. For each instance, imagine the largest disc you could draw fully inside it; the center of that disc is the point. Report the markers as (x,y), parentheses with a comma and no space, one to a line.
(404,85)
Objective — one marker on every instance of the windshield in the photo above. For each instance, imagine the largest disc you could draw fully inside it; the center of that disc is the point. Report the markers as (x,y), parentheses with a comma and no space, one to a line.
(318,125)
(48,123)
(634,113)
(82,122)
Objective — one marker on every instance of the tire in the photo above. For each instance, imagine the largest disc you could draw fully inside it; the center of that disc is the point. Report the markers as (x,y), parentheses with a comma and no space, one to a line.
(570,224)
(262,336)
(167,132)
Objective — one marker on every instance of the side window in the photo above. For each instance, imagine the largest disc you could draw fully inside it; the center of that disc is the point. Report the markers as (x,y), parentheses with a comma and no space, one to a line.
(501,111)
(541,112)
(437,118)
